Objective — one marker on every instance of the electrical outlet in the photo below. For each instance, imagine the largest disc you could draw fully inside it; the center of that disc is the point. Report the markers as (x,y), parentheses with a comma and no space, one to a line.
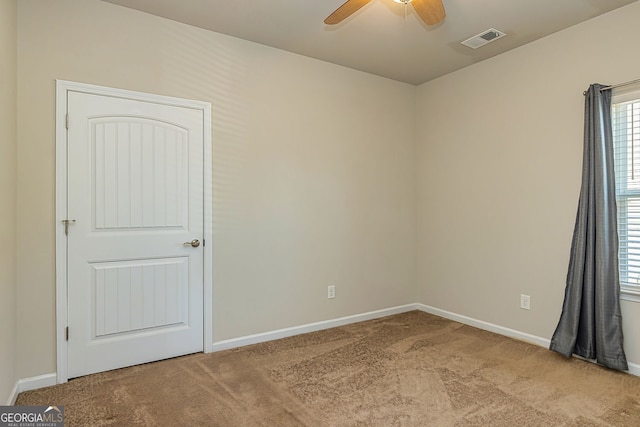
(525,302)
(331,291)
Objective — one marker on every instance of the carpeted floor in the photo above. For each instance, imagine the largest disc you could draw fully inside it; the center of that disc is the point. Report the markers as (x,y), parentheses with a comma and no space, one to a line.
(411,369)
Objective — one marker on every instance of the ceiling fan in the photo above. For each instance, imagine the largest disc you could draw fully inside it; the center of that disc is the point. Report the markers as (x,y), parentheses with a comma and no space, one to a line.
(430,11)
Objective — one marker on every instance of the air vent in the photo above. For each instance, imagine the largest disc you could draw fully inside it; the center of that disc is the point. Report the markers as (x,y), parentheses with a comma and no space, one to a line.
(483,38)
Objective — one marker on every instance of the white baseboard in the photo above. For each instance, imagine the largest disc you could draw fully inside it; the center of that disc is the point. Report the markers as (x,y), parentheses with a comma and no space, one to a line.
(32,383)
(634,368)
(47,380)
(13,396)
(310,327)
(501,330)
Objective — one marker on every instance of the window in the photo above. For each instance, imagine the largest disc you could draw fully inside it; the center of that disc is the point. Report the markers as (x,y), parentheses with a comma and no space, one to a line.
(625,111)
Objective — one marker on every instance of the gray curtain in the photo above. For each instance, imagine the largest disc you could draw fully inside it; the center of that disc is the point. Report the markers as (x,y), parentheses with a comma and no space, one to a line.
(591,324)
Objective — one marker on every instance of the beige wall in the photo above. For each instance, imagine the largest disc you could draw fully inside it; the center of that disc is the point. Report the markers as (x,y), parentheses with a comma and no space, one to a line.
(313,170)
(314,174)
(8,138)
(500,153)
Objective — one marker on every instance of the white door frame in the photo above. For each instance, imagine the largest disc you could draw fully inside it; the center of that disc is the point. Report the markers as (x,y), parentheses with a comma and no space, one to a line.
(62,88)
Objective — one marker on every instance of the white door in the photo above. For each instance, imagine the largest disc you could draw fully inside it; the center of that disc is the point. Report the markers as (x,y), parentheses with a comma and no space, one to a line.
(135,191)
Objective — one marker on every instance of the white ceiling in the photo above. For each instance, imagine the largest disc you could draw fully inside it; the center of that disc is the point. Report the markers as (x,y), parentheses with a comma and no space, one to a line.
(378,39)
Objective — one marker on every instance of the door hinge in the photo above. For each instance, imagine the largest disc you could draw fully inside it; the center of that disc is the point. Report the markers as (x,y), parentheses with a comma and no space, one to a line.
(66,223)
(66,333)
(67,121)
(204,243)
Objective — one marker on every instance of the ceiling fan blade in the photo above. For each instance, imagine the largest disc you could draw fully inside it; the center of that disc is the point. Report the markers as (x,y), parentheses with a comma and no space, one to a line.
(345,11)
(430,11)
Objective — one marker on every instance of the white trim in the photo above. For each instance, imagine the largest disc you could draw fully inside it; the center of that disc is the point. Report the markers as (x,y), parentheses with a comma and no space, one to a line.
(32,383)
(13,396)
(50,379)
(208,231)
(628,293)
(625,94)
(309,327)
(501,330)
(62,87)
(131,94)
(61,248)
(634,368)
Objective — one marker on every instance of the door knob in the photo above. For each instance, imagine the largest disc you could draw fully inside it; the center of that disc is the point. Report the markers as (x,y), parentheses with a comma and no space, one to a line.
(194,243)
